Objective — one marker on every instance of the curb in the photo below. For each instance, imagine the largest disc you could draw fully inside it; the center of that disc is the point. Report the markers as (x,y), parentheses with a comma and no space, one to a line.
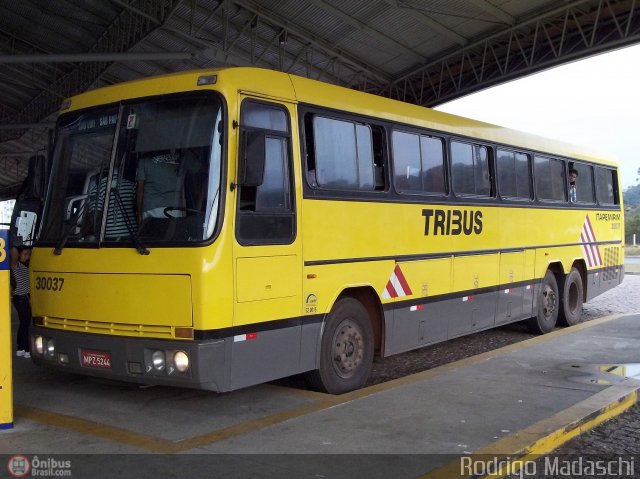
(548,434)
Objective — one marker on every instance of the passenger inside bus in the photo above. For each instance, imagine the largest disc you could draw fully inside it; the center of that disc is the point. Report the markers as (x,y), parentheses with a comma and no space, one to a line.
(168,187)
(573,176)
(161,183)
(121,203)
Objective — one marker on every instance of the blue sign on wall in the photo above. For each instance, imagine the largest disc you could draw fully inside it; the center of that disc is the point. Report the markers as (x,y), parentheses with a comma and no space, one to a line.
(4,249)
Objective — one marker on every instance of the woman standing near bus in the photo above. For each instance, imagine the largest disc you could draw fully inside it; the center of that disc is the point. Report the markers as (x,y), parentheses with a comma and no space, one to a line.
(21,299)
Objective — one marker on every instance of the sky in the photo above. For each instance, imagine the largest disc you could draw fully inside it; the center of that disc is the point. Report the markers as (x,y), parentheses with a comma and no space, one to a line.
(594,103)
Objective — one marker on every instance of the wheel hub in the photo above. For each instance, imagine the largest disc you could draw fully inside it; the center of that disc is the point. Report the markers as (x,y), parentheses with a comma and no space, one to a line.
(549,301)
(348,348)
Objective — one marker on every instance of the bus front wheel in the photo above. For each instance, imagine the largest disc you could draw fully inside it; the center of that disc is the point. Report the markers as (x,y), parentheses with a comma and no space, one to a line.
(548,304)
(346,351)
(572,294)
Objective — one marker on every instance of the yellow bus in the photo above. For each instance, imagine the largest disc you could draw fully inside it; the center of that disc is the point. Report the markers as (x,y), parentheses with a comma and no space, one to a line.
(219,229)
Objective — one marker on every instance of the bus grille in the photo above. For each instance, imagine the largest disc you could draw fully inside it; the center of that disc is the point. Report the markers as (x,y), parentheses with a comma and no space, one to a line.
(611,266)
(113,329)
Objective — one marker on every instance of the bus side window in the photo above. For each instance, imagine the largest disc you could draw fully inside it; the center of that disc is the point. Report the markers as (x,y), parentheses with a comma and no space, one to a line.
(607,186)
(342,154)
(418,163)
(514,174)
(471,169)
(584,182)
(551,183)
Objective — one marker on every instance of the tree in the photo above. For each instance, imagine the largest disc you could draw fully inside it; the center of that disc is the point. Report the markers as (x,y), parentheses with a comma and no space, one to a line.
(631,196)
(632,225)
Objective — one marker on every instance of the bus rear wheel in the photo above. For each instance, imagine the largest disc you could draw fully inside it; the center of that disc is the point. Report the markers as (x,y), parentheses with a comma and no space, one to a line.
(572,294)
(548,304)
(346,351)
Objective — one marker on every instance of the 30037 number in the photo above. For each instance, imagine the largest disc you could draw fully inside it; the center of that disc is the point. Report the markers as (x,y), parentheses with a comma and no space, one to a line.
(49,284)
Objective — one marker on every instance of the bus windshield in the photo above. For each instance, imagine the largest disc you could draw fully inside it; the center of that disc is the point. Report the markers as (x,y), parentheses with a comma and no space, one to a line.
(162,161)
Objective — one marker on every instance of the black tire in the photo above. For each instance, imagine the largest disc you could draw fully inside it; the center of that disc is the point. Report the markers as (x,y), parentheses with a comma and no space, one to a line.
(346,350)
(571,295)
(548,305)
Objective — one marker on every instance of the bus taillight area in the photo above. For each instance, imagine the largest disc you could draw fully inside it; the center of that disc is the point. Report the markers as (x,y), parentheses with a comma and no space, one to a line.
(144,361)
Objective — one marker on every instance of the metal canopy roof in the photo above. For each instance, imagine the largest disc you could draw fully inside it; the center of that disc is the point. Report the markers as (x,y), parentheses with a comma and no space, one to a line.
(420,51)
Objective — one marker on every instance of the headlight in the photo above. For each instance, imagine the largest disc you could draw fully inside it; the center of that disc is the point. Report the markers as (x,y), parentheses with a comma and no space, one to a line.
(38,343)
(158,360)
(181,361)
(51,347)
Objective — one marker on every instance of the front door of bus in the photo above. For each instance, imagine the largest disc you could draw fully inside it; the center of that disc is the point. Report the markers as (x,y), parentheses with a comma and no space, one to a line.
(267,257)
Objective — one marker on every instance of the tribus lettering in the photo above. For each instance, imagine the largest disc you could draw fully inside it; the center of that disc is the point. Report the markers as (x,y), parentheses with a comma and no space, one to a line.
(452,222)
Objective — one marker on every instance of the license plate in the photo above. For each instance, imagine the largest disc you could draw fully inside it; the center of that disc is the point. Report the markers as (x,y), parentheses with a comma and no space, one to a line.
(95,359)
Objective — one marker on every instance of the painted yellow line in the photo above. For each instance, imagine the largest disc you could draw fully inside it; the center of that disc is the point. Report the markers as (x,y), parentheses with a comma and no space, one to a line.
(303,393)
(92,428)
(548,434)
(250,426)
(320,402)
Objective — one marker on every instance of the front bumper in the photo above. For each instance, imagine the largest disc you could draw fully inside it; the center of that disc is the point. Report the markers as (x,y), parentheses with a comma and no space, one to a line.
(131,358)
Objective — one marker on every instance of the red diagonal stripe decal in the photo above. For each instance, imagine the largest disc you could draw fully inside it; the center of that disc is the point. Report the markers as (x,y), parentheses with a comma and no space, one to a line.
(595,251)
(391,290)
(588,222)
(402,280)
(587,250)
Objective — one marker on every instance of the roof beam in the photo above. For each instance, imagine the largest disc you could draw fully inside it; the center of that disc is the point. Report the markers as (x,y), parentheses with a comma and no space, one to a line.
(349,20)
(225,51)
(94,57)
(137,11)
(576,30)
(306,37)
(480,43)
(429,22)
(494,11)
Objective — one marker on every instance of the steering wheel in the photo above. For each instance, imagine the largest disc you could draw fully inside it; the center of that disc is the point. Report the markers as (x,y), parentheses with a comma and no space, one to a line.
(178,208)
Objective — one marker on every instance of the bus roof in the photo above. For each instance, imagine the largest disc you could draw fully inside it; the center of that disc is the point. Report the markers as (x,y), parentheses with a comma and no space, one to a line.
(293,88)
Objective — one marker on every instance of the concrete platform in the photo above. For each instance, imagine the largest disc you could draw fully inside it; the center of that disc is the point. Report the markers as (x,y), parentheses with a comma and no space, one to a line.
(519,400)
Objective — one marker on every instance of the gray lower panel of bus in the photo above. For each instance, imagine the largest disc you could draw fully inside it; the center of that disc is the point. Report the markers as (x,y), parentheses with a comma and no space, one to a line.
(603,280)
(217,365)
(420,325)
(409,327)
(274,354)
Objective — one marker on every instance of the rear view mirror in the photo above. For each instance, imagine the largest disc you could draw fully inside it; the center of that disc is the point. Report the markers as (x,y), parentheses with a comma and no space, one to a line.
(252,158)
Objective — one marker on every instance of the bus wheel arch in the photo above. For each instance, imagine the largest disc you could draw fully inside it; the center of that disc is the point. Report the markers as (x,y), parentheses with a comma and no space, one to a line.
(581,266)
(572,295)
(370,300)
(347,343)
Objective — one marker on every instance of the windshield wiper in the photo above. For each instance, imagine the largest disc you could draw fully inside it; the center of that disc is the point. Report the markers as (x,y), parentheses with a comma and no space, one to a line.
(72,224)
(129,223)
